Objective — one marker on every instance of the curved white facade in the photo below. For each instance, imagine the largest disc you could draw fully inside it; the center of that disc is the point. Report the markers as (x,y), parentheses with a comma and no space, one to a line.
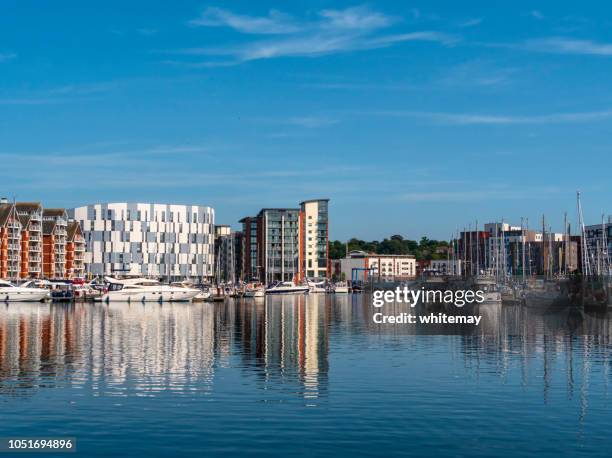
(169,241)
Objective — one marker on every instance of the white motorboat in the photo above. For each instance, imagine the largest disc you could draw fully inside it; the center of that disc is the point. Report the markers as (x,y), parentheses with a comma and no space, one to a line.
(287,287)
(12,293)
(203,294)
(341,287)
(145,290)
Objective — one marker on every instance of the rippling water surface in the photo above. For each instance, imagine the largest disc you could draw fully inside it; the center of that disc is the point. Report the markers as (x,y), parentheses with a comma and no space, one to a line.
(304,375)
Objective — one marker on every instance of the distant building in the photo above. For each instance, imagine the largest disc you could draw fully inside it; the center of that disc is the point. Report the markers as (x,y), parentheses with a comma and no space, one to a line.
(10,241)
(278,243)
(598,239)
(250,267)
(75,251)
(314,238)
(445,267)
(514,249)
(30,216)
(360,266)
(287,243)
(228,254)
(168,241)
(54,224)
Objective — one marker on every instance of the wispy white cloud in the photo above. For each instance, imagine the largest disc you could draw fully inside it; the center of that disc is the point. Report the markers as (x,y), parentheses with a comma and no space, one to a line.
(309,122)
(55,95)
(274,23)
(563,45)
(489,119)
(477,73)
(5,57)
(334,31)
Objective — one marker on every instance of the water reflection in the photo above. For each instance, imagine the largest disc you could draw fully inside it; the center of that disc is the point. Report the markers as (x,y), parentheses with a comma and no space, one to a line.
(284,343)
(143,349)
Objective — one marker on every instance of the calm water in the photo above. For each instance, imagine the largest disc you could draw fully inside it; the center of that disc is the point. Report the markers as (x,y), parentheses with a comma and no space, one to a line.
(304,376)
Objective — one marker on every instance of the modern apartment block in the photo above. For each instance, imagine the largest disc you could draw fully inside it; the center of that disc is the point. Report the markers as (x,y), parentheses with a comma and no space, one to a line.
(228,254)
(250,267)
(168,241)
(314,240)
(30,216)
(54,224)
(75,251)
(287,243)
(10,238)
(598,238)
(279,243)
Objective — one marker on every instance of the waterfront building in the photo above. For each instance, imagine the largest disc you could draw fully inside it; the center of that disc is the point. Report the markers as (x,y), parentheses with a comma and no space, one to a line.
(444,267)
(359,265)
(10,239)
(54,225)
(287,243)
(279,243)
(30,216)
(314,238)
(250,268)
(172,242)
(75,251)
(228,254)
(598,239)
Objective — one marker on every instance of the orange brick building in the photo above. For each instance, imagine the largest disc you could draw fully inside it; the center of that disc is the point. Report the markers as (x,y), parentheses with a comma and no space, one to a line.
(75,250)
(30,217)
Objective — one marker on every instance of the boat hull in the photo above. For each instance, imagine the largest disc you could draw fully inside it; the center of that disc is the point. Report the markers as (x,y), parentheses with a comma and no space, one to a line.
(150,296)
(287,290)
(23,296)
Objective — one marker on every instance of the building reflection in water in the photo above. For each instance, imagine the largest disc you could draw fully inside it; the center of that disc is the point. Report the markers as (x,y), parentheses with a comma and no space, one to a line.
(121,348)
(284,341)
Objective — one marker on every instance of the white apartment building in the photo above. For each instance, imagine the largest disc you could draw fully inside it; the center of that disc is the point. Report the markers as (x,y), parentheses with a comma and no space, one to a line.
(314,238)
(360,265)
(168,241)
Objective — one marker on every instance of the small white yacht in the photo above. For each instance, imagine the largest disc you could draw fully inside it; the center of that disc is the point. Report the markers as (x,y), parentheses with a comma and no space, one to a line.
(316,285)
(145,290)
(341,287)
(287,287)
(203,294)
(12,293)
(254,290)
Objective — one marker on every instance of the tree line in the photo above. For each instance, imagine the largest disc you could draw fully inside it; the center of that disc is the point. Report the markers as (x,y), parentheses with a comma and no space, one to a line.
(396,244)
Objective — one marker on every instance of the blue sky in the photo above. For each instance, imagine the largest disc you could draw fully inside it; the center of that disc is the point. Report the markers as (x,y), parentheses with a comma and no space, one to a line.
(412,117)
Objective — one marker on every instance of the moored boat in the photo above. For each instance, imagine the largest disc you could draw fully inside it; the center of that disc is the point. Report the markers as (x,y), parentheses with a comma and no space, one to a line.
(145,290)
(12,293)
(287,287)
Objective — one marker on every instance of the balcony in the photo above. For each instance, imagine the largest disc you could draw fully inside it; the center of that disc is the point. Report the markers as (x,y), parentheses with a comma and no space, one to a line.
(34,269)
(34,259)
(35,238)
(35,249)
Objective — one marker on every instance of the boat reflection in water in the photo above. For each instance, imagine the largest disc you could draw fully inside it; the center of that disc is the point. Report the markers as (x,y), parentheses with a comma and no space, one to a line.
(290,370)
